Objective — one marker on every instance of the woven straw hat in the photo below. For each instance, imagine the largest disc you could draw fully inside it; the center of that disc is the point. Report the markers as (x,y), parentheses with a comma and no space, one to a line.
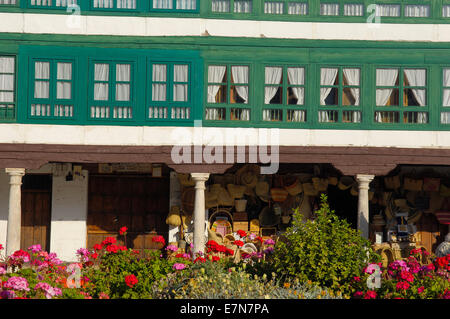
(248,175)
(173,218)
(262,190)
(223,197)
(345,182)
(240,205)
(294,188)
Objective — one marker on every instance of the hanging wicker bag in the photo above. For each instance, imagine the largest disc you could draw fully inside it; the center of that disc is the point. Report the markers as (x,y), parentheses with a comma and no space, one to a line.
(320,184)
(236,191)
(294,188)
(278,194)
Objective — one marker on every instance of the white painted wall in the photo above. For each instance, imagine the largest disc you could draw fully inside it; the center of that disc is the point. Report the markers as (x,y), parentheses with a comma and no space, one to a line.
(159,136)
(4,201)
(156,26)
(69,215)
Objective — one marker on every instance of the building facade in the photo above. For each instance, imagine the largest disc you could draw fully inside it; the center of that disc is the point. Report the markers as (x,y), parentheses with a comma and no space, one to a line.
(104,102)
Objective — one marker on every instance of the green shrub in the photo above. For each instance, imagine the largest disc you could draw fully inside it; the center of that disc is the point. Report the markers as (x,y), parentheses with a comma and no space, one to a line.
(213,280)
(108,277)
(326,250)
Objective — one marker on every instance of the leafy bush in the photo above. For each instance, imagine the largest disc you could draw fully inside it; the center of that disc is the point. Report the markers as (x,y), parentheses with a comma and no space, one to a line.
(326,250)
(213,280)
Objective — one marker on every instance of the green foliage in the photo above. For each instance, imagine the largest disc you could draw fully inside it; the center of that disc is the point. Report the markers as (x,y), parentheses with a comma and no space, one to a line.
(108,276)
(212,280)
(326,250)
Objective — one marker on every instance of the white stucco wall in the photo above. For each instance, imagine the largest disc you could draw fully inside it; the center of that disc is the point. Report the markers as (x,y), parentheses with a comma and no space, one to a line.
(160,26)
(69,215)
(4,200)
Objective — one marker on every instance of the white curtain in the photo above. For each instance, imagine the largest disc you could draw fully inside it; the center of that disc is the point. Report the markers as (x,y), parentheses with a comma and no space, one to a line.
(297,115)
(273,7)
(220,5)
(240,76)
(417,11)
(296,76)
(446,11)
(64,3)
(446,85)
(353,9)
(162,4)
(186,4)
(329,9)
(215,114)
(159,74)
(215,75)
(273,75)
(297,8)
(6,79)
(103,4)
(123,74)
(12,2)
(63,84)
(180,91)
(385,77)
(101,73)
(242,6)
(327,77)
(417,77)
(445,117)
(126,4)
(41,72)
(352,76)
(387,10)
(327,116)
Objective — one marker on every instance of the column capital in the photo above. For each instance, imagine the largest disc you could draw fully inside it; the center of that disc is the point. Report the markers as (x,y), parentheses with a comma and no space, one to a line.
(200,177)
(15,171)
(363,178)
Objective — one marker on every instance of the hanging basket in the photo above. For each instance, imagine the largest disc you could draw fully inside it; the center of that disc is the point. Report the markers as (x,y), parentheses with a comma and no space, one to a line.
(188,200)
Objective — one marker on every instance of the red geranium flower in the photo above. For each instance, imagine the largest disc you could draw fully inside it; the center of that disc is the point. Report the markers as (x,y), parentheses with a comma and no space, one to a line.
(109,241)
(238,243)
(370,294)
(94,256)
(402,285)
(159,239)
(1,247)
(199,259)
(98,247)
(241,233)
(215,258)
(123,230)
(131,280)
(112,248)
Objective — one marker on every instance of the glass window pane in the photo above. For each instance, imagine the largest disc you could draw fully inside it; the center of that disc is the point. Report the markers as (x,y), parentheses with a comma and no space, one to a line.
(386,97)
(6,65)
(64,71)
(186,4)
(274,7)
(162,4)
(180,73)
(101,91)
(41,90)
(417,11)
(353,9)
(122,92)
(242,6)
(101,72)
(123,72)
(180,92)
(6,82)
(159,73)
(220,5)
(329,9)
(64,90)
(42,70)
(415,77)
(387,10)
(351,96)
(6,96)
(159,92)
(297,8)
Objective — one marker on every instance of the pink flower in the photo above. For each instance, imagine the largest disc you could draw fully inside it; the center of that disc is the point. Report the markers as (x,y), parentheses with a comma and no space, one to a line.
(358,294)
(405,275)
(370,294)
(420,289)
(17,283)
(35,248)
(179,266)
(172,248)
(269,242)
(402,285)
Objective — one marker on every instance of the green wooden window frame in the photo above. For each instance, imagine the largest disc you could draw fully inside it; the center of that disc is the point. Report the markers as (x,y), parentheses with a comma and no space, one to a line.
(279,108)
(228,105)
(51,4)
(115,5)
(51,105)
(11,3)
(343,110)
(162,101)
(402,113)
(286,7)
(111,106)
(444,114)
(232,6)
(176,6)
(7,105)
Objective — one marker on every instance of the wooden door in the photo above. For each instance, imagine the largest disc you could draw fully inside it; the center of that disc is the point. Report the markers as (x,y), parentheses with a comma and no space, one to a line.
(430,232)
(36,211)
(139,202)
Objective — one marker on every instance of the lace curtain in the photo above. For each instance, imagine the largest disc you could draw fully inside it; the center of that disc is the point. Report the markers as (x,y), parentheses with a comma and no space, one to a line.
(353,9)
(123,73)
(215,75)
(42,78)
(159,90)
(63,83)
(180,91)
(186,4)
(273,7)
(220,5)
(417,11)
(387,10)
(6,79)
(296,76)
(329,9)
(101,74)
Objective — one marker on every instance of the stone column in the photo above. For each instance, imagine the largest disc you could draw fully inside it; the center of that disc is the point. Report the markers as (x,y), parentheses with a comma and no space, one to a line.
(15,209)
(363,203)
(199,211)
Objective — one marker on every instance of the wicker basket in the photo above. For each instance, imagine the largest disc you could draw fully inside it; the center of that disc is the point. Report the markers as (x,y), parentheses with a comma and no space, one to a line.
(188,200)
(221,213)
